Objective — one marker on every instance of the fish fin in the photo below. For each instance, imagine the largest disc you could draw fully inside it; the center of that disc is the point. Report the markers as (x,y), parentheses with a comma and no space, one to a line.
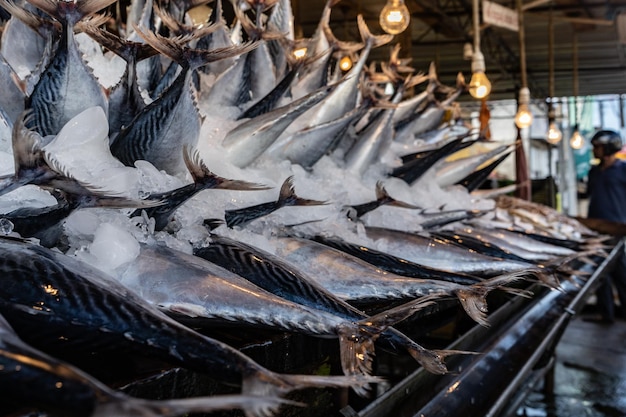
(271,384)
(26,143)
(473,298)
(129,51)
(367,36)
(253,406)
(191,58)
(288,197)
(383,195)
(433,360)
(41,26)
(212,224)
(70,12)
(206,179)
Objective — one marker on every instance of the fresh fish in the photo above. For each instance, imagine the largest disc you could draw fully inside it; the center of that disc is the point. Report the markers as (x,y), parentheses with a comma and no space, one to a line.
(190,286)
(31,377)
(344,98)
(262,71)
(125,100)
(159,132)
(544,216)
(57,302)
(429,220)
(305,147)
(382,198)
(286,197)
(246,142)
(474,180)
(450,172)
(408,107)
(46,223)
(218,39)
(529,248)
(416,165)
(377,136)
(315,75)
(480,244)
(203,179)
(430,118)
(271,99)
(394,264)
(281,20)
(352,279)
(441,255)
(32,33)
(273,274)
(67,86)
(149,71)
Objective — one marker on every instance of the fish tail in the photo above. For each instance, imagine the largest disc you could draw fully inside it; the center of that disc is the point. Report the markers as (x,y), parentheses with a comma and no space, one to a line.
(473,298)
(175,49)
(205,179)
(253,406)
(270,384)
(383,195)
(71,12)
(368,37)
(288,197)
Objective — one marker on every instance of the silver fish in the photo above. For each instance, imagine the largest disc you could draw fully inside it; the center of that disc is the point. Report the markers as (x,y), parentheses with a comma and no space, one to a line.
(436,254)
(345,97)
(220,38)
(159,132)
(246,142)
(430,118)
(125,100)
(352,279)
(450,172)
(77,305)
(67,86)
(33,378)
(188,285)
(307,146)
(289,281)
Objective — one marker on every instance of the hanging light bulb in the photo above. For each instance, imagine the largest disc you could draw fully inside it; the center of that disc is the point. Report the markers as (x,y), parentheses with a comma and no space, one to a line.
(554,134)
(524,117)
(345,63)
(479,85)
(394,17)
(576,141)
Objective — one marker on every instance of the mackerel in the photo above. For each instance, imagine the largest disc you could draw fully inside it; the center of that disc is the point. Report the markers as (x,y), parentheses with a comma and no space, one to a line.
(67,86)
(283,279)
(159,132)
(57,302)
(246,142)
(190,286)
(34,378)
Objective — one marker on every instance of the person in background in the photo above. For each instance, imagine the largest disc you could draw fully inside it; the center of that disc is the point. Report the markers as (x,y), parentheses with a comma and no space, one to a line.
(607,200)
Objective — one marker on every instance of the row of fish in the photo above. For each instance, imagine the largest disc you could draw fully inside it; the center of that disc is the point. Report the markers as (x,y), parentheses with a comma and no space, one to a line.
(117,238)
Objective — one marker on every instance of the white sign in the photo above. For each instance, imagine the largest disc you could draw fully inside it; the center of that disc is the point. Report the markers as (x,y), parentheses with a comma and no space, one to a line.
(500,16)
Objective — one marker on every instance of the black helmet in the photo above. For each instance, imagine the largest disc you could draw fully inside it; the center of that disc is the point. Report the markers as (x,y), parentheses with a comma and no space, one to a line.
(611,141)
